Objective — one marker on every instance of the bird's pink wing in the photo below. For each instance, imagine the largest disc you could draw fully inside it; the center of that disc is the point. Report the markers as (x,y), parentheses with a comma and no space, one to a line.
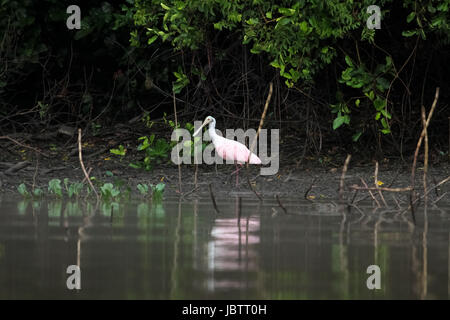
(235,151)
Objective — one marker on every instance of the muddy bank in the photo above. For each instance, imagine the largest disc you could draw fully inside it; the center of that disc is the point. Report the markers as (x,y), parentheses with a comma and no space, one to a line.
(305,182)
(36,162)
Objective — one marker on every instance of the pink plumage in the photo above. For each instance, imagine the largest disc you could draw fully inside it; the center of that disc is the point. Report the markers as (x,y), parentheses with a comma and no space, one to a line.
(235,151)
(227,149)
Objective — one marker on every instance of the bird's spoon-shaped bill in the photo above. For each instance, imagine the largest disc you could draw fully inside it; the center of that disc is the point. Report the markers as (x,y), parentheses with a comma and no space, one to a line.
(200,129)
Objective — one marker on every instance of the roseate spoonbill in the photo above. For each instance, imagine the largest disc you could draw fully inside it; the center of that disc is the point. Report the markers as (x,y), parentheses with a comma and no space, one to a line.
(229,149)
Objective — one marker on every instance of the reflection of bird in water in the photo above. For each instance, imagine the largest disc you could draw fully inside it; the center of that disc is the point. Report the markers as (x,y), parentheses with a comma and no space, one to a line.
(233,250)
(229,149)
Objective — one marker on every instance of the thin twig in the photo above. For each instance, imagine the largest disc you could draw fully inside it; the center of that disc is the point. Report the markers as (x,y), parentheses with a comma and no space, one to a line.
(425,156)
(35,174)
(261,121)
(376,184)
(188,193)
(24,145)
(309,189)
(344,171)
(195,175)
(89,174)
(396,202)
(82,164)
(419,143)
(439,198)
(213,199)
(281,206)
(253,189)
(370,192)
(176,127)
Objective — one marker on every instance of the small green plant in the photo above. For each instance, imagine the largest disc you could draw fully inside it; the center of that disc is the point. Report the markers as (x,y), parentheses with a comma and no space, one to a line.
(109,173)
(109,191)
(73,188)
(373,84)
(181,81)
(143,188)
(158,190)
(38,192)
(22,188)
(43,109)
(154,151)
(146,119)
(121,151)
(54,187)
(95,128)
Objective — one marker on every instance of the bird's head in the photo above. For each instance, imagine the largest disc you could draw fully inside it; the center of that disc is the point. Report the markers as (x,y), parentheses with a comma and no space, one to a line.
(207,121)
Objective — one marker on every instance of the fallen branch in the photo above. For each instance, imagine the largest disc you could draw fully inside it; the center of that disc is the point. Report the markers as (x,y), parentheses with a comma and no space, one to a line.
(24,145)
(366,188)
(18,166)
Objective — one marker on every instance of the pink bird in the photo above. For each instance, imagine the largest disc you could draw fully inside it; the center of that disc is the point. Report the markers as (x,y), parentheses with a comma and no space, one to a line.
(229,149)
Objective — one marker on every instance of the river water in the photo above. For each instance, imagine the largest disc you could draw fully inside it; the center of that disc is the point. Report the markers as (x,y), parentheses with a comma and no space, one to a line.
(249,250)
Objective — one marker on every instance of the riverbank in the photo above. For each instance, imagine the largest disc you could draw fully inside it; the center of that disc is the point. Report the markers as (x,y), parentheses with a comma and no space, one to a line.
(307,181)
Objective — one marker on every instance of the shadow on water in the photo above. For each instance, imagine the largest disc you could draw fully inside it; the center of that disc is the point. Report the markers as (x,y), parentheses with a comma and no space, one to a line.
(183,249)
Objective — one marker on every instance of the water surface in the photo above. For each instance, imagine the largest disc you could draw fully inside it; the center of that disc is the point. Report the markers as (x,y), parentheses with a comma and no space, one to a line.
(250,250)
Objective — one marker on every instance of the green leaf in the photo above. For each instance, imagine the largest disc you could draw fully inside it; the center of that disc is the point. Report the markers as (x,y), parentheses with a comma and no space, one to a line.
(379,103)
(409,33)
(410,17)
(356,136)
(349,61)
(339,121)
(284,21)
(109,173)
(304,26)
(152,39)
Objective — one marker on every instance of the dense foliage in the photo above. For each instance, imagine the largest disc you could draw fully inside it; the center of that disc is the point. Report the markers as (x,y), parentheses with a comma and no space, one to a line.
(331,72)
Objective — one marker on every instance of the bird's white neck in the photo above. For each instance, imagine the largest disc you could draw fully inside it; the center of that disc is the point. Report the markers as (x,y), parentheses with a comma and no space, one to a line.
(212,131)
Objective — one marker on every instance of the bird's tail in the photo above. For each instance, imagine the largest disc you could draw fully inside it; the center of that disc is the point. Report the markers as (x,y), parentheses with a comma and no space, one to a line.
(254,159)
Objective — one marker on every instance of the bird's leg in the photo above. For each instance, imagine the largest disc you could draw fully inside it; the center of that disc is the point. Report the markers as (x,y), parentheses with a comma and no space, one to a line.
(237,173)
